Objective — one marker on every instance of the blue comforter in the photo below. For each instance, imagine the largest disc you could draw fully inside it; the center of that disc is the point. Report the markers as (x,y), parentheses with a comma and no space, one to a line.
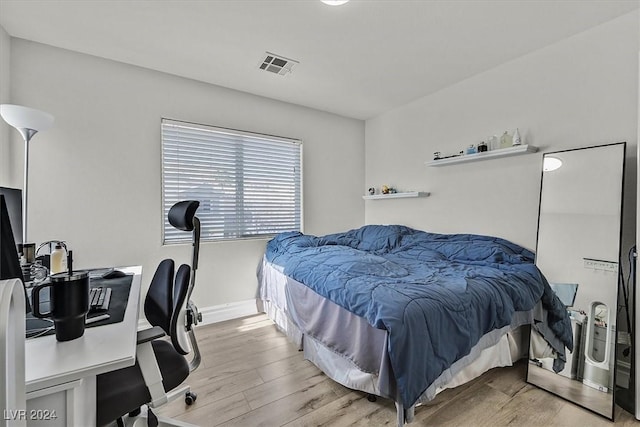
(435,294)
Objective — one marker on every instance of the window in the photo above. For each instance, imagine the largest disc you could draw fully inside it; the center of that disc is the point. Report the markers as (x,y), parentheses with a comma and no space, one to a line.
(248,185)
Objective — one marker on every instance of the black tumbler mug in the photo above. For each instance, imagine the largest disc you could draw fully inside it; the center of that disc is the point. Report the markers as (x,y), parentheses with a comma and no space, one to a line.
(68,302)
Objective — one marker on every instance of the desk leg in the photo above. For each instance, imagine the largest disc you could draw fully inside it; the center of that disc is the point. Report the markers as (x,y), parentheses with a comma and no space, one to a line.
(68,404)
(81,403)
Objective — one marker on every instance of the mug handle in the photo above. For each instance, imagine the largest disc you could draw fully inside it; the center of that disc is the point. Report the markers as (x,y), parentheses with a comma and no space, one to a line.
(35,295)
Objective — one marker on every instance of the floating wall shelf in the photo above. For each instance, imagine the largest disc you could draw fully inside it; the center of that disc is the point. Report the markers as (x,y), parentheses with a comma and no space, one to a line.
(397,195)
(487,155)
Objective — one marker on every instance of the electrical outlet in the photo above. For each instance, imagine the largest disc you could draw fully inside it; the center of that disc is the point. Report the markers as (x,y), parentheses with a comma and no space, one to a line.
(597,264)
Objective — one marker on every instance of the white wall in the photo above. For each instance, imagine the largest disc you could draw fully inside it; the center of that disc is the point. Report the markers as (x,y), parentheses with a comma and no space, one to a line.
(95,177)
(579,92)
(5,97)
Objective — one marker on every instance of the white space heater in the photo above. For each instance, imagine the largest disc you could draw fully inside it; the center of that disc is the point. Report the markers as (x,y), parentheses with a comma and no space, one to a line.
(597,348)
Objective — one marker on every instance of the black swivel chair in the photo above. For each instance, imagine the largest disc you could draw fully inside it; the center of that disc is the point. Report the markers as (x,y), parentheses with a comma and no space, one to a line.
(161,365)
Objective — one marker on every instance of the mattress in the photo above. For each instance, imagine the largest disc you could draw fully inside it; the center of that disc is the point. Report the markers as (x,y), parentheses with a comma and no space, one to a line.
(449,292)
(355,354)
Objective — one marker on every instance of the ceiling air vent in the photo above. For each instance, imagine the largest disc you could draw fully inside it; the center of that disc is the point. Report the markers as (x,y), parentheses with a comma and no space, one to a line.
(277,64)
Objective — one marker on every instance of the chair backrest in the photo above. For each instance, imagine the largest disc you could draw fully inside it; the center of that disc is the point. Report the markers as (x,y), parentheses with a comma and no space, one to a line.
(165,304)
(158,305)
(179,336)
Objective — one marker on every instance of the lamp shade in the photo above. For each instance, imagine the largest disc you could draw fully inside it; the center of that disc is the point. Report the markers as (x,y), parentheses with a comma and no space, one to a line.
(26,118)
(334,2)
(551,163)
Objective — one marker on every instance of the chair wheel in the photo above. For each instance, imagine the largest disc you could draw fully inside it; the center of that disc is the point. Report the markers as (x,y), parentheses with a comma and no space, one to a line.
(190,398)
(371,397)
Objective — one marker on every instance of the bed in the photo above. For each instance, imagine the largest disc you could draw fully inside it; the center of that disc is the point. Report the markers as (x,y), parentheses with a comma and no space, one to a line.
(402,313)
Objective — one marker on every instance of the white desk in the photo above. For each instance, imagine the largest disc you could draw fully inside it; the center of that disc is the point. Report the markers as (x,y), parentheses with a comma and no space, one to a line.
(61,376)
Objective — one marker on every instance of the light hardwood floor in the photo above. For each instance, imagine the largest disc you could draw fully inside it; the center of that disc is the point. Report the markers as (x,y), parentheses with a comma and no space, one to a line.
(252,376)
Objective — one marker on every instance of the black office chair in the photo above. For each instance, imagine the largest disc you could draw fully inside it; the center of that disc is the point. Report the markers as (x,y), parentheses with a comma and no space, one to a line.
(160,365)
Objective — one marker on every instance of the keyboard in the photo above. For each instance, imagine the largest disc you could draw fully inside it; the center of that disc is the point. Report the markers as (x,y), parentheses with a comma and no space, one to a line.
(99,299)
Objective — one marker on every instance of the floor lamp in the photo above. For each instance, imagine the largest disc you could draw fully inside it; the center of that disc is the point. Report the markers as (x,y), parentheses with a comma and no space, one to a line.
(28,121)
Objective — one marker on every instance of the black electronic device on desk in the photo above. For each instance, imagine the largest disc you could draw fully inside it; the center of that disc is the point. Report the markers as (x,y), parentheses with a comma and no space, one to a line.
(99,299)
(106,273)
(9,261)
(100,296)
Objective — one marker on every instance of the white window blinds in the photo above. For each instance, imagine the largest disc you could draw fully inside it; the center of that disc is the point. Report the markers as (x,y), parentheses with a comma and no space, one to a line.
(248,185)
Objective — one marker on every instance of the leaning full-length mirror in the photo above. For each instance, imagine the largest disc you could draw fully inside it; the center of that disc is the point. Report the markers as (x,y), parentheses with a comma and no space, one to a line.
(578,251)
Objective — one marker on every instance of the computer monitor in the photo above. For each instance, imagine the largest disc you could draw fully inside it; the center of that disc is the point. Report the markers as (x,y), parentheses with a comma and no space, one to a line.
(13,198)
(9,262)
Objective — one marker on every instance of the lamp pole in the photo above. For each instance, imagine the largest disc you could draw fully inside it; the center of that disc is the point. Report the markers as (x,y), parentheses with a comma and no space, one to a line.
(27,134)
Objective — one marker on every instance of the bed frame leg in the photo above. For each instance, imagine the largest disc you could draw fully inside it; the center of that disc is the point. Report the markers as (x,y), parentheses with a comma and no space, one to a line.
(372,397)
(400,414)
(409,414)
(404,415)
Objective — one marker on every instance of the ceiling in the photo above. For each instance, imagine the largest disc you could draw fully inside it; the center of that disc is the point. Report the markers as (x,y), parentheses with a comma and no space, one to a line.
(357,60)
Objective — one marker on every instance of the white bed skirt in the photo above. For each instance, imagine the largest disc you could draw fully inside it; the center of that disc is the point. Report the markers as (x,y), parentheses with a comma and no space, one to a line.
(298,319)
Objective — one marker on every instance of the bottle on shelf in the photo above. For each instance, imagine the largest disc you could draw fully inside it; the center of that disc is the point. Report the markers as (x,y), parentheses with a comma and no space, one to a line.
(506,140)
(493,143)
(517,140)
(471,149)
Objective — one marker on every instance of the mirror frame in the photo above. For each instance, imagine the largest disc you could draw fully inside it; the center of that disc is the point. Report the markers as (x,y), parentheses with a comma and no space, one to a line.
(619,250)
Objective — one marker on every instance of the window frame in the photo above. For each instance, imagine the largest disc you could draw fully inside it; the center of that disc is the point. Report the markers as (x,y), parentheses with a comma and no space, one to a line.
(235,133)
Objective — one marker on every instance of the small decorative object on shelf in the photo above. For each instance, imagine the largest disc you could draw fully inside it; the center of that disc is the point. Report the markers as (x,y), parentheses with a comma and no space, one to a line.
(448,157)
(482,147)
(372,191)
(506,140)
(493,142)
(517,140)
(436,155)
(471,149)
(388,190)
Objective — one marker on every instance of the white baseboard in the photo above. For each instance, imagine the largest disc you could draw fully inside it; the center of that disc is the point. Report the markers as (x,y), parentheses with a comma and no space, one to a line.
(219,313)
(232,310)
